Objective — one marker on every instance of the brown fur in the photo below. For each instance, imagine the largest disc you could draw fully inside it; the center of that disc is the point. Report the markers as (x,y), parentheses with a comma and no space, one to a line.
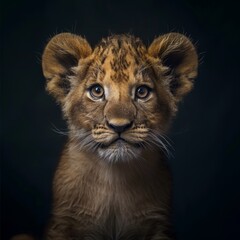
(105,187)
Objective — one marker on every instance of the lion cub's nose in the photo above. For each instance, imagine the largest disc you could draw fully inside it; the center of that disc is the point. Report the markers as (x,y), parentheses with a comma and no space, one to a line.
(119,125)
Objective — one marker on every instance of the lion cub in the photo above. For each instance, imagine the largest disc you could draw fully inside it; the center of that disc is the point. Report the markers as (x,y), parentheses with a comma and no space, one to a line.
(112,181)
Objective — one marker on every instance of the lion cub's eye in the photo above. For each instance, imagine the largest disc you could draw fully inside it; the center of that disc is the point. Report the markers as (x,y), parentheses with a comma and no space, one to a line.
(96,91)
(142,92)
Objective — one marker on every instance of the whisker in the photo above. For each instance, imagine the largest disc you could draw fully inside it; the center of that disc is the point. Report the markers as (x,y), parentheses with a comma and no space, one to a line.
(168,141)
(84,140)
(155,138)
(57,130)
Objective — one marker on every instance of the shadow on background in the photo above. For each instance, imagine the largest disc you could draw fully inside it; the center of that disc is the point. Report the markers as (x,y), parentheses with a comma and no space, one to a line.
(206,136)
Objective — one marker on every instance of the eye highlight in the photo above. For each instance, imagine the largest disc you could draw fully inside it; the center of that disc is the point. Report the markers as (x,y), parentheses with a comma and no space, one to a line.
(142,92)
(96,91)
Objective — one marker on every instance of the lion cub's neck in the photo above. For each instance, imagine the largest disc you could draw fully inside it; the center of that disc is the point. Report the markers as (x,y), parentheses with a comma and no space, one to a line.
(145,166)
(130,188)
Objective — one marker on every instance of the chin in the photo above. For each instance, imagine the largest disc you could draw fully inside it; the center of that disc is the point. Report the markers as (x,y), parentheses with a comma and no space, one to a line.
(119,152)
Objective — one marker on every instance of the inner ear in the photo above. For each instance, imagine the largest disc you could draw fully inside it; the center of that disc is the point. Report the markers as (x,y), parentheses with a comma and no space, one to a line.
(68,61)
(173,60)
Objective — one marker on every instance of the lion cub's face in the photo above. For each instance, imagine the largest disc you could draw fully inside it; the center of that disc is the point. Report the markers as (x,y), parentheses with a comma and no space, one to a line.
(114,107)
(119,98)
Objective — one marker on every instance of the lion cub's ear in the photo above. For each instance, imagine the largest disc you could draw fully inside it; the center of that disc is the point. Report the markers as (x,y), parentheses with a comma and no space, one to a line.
(176,52)
(61,54)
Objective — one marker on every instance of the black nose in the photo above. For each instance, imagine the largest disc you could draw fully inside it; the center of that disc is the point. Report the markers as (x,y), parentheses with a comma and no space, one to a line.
(119,128)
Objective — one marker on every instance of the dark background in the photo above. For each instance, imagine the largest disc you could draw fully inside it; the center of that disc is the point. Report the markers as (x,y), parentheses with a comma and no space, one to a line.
(206,136)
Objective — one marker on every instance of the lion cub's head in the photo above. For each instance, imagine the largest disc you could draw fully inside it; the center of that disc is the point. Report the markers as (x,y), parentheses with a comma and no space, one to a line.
(119,98)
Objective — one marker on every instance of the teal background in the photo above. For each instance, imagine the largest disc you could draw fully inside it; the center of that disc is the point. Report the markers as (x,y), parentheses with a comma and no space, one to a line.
(206,133)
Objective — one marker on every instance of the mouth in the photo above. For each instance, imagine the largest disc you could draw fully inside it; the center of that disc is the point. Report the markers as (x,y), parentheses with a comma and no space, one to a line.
(119,150)
(120,142)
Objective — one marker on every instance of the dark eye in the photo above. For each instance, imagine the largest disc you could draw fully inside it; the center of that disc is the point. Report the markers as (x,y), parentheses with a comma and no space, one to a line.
(96,91)
(142,92)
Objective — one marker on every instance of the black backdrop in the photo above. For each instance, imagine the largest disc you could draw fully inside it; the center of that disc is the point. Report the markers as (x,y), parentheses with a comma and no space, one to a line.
(206,136)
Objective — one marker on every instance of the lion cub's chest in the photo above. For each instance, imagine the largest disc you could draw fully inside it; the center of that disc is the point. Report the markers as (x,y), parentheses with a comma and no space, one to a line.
(114,203)
(121,220)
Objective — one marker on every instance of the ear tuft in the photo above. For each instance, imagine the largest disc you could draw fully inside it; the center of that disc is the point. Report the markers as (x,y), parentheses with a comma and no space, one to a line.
(176,52)
(61,54)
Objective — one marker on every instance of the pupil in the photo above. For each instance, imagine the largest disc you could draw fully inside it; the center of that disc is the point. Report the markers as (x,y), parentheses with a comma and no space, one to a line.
(141,91)
(98,90)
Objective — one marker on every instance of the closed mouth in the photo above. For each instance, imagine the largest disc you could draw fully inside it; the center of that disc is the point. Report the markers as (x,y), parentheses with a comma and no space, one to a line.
(120,142)
(119,139)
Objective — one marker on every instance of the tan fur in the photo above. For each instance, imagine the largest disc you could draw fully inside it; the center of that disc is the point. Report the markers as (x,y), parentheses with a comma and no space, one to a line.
(106,187)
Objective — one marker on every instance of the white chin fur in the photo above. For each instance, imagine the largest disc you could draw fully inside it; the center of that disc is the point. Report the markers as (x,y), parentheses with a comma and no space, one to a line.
(121,153)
